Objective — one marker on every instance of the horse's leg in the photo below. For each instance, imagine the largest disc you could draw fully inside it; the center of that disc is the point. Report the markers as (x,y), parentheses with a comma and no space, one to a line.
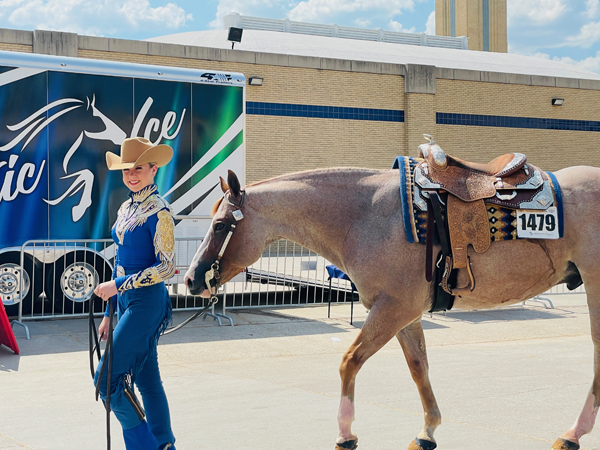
(412,341)
(383,322)
(587,417)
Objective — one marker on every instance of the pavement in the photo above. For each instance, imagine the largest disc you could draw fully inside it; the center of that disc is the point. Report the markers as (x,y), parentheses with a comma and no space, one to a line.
(509,378)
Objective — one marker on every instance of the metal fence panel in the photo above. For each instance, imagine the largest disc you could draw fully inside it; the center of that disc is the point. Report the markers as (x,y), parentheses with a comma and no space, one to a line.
(60,276)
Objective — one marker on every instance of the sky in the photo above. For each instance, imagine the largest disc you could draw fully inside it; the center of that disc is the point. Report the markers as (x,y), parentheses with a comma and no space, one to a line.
(562,30)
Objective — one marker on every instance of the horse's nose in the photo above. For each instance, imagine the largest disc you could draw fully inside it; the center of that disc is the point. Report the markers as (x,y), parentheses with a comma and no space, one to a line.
(188,282)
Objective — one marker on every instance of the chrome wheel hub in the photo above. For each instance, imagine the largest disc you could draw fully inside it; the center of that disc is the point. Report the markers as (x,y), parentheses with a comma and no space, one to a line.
(11,276)
(78,281)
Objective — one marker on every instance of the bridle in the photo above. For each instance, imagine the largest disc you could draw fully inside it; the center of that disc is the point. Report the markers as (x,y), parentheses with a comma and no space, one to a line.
(214,273)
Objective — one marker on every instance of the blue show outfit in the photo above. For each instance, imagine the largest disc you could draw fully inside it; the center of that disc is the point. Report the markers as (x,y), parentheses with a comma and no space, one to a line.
(144,234)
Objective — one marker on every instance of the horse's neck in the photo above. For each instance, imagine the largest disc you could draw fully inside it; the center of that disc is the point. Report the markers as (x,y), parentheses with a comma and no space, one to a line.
(313,209)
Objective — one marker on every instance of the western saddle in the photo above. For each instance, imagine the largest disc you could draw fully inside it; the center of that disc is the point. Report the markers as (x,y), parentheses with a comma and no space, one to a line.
(454,193)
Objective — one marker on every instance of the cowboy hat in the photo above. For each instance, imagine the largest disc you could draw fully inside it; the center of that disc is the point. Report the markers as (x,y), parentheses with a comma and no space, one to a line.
(137,151)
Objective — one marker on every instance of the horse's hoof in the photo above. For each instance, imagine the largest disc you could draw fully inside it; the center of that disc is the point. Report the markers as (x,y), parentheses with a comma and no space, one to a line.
(563,444)
(422,444)
(352,444)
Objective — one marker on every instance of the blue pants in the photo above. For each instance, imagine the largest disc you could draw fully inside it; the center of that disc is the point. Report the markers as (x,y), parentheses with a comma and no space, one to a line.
(143,313)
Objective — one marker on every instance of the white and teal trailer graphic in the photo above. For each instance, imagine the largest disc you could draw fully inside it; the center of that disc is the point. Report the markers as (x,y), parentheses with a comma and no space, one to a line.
(58,117)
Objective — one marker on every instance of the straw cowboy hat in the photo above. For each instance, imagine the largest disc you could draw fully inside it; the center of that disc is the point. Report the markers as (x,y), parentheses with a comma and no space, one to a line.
(137,151)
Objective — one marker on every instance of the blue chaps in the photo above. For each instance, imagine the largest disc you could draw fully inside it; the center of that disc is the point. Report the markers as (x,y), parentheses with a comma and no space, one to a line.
(143,313)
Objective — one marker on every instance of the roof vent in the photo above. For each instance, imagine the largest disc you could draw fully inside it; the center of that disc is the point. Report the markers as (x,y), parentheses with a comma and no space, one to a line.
(333,30)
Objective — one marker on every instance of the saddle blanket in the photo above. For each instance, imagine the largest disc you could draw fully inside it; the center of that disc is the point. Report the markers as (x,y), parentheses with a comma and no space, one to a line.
(503,221)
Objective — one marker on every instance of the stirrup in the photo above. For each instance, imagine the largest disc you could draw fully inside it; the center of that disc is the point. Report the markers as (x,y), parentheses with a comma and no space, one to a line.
(469,287)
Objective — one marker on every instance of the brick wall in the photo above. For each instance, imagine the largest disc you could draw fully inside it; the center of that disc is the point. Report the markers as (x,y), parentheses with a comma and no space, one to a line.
(16,47)
(277,145)
(419,120)
(549,149)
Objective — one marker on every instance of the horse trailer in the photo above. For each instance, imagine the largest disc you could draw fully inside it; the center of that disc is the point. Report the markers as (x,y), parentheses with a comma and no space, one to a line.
(58,118)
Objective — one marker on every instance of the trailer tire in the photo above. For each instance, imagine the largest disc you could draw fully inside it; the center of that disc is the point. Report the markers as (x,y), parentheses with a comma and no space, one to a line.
(72,278)
(9,270)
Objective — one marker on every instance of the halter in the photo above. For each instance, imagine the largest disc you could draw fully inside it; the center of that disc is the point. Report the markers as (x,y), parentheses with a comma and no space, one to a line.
(214,273)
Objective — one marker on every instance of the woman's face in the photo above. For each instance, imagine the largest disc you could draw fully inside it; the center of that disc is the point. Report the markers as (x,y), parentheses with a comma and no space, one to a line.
(138,177)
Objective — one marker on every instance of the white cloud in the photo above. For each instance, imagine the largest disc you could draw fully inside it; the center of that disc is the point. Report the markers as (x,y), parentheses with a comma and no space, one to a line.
(591,63)
(323,10)
(253,8)
(362,23)
(592,7)
(430,24)
(538,11)
(92,17)
(225,8)
(588,34)
(397,26)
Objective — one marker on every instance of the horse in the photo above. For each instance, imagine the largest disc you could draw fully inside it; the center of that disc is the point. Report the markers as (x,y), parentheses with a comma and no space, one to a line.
(353,218)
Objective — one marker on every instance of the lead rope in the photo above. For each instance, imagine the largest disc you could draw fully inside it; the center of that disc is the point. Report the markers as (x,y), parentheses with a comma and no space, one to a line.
(213,300)
(107,355)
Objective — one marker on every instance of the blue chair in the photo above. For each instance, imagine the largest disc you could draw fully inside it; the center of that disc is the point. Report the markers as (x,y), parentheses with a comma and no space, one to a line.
(336,272)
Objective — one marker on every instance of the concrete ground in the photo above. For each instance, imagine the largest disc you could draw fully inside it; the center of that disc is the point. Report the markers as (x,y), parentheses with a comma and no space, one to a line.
(510,378)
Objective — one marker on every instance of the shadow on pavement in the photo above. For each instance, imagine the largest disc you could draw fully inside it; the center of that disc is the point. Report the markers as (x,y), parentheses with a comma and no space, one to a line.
(71,335)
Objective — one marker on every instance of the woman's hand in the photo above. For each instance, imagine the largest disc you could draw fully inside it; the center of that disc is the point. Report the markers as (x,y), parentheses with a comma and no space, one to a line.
(106,290)
(103,329)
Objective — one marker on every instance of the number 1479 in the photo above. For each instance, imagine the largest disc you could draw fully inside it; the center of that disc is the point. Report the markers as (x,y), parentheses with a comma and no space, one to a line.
(538,224)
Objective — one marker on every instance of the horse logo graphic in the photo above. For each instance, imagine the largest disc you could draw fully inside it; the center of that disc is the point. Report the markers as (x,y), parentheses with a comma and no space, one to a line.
(82,180)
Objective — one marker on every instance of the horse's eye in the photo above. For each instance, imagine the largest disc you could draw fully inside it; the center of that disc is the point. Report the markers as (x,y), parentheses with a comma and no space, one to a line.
(219,226)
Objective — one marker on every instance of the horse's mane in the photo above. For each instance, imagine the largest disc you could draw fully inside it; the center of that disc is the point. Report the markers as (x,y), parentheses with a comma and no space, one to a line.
(216,207)
(304,174)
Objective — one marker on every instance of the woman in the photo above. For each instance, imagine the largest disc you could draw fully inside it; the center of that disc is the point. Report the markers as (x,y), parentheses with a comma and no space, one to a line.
(144,234)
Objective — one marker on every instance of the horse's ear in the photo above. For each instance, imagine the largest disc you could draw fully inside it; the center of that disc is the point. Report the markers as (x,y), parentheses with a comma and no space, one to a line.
(224,186)
(234,183)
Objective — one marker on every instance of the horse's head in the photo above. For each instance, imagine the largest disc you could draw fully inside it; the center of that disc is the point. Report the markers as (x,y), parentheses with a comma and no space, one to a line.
(220,257)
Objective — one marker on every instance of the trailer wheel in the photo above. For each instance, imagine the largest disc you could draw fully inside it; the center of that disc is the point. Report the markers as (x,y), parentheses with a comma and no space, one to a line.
(11,291)
(72,278)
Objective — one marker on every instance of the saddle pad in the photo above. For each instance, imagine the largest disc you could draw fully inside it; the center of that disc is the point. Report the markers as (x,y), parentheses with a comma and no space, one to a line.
(503,220)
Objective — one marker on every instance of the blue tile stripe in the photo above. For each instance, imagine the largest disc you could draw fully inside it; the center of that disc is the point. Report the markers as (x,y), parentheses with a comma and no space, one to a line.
(516,122)
(324,112)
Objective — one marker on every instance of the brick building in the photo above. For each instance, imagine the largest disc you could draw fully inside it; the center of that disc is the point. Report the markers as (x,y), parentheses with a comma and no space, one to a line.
(335,101)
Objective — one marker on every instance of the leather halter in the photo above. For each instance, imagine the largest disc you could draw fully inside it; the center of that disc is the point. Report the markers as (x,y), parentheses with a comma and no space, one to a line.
(214,273)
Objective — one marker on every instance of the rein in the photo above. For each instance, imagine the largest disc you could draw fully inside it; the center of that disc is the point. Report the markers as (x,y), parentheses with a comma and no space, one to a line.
(94,344)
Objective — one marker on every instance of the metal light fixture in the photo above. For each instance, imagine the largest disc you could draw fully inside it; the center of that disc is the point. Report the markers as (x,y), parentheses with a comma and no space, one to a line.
(558,101)
(255,81)
(235,35)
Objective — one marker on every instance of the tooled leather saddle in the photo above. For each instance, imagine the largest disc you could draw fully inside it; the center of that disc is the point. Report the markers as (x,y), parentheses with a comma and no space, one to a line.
(455,193)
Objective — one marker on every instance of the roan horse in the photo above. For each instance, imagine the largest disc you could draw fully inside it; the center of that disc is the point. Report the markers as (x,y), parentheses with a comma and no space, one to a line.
(353,218)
